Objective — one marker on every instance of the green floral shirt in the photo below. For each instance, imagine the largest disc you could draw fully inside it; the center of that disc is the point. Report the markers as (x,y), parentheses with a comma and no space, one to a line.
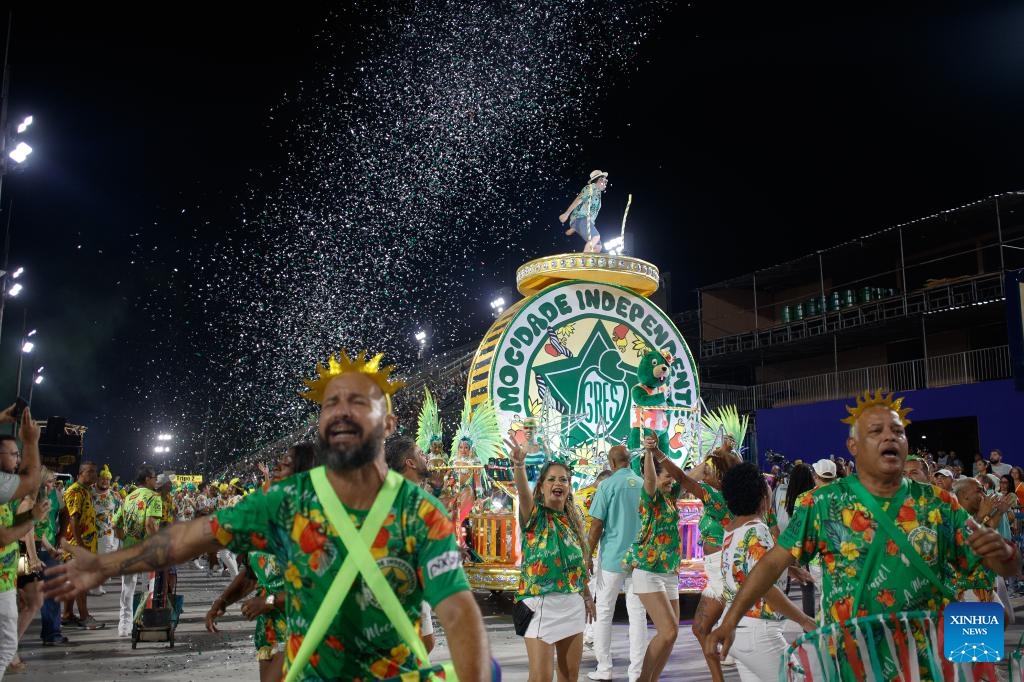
(272,627)
(9,553)
(415,549)
(658,545)
(743,548)
(46,527)
(141,503)
(715,518)
(830,522)
(78,500)
(590,204)
(552,556)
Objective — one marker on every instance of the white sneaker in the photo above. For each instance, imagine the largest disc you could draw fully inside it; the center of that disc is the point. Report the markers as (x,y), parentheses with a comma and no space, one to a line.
(600,675)
(96,592)
(729,660)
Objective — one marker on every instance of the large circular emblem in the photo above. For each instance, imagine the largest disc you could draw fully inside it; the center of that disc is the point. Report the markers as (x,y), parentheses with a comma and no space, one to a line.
(568,356)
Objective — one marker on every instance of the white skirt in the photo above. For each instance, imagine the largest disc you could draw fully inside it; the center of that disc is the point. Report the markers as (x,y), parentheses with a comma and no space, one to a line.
(713,571)
(556,616)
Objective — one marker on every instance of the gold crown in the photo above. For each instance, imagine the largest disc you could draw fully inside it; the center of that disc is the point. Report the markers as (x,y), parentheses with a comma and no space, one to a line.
(879,399)
(345,365)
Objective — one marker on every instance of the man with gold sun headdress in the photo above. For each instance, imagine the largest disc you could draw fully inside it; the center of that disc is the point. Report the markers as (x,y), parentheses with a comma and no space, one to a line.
(402,546)
(106,502)
(887,544)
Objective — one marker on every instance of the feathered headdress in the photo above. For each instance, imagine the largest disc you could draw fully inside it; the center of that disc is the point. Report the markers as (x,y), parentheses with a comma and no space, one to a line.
(343,365)
(726,420)
(879,399)
(429,429)
(479,427)
(105,472)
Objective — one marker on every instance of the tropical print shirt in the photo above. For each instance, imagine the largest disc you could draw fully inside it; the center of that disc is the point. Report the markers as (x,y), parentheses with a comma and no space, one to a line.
(78,500)
(552,556)
(272,627)
(415,548)
(590,205)
(744,546)
(46,527)
(141,503)
(105,503)
(715,518)
(583,498)
(833,523)
(8,553)
(658,545)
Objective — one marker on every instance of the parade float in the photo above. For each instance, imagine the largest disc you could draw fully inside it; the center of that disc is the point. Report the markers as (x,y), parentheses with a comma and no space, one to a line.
(565,358)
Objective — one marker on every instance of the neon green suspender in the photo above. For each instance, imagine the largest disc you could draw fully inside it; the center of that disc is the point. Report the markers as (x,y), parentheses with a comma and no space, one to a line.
(358,561)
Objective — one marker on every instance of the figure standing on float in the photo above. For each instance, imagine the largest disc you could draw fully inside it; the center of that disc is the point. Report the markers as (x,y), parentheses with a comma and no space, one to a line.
(582,212)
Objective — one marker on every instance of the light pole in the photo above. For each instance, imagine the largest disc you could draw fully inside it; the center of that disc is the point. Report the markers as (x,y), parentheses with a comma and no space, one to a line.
(163,449)
(421,336)
(37,378)
(27,346)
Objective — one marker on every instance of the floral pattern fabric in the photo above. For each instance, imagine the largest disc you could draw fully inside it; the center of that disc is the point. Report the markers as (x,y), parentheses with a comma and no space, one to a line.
(9,553)
(46,527)
(141,503)
(105,503)
(415,548)
(714,519)
(658,545)
(552,556)
(78,500)
(590,204)
(271,628)
(743,548)
(830,522)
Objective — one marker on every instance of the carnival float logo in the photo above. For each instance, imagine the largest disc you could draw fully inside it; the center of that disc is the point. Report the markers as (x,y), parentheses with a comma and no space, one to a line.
(568,357)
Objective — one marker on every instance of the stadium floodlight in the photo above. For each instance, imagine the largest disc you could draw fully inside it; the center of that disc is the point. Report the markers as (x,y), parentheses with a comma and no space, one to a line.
(23,126)
(20,153)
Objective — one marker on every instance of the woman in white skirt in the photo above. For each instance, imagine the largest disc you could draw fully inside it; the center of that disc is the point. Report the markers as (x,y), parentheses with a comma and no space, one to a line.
(759,643)
(654,558)
(553,580)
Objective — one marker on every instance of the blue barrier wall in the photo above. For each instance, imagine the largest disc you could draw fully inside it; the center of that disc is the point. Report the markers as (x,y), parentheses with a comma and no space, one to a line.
(810,432)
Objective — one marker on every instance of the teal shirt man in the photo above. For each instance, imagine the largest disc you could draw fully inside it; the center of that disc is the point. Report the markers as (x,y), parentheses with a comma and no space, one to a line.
(616,505)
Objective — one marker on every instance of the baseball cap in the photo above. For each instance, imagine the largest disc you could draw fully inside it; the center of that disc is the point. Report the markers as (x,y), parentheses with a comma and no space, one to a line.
(944,472)
(825,468)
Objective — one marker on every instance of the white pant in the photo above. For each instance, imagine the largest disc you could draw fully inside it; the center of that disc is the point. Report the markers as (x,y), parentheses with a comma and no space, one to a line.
(227,559)
(8,628)
(758,649)
(609,584)
(105,544)
(128,583)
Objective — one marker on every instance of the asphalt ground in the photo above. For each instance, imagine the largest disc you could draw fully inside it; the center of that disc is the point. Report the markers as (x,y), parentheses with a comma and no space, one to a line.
(101,655)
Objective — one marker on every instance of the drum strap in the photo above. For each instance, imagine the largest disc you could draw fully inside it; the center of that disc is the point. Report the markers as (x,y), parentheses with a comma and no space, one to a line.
(886,526)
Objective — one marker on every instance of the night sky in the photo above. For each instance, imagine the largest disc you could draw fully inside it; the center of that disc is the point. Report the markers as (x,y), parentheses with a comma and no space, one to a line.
(216,198)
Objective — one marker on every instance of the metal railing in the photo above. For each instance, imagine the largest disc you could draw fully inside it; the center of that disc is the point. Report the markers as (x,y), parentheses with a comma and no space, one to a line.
(968,367)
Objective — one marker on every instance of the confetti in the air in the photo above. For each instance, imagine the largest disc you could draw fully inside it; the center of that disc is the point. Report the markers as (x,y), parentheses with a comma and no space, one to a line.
(432,137)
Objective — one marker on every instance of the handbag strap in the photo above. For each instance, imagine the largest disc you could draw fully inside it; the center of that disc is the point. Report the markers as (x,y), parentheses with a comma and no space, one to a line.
(887,524)
(335,596)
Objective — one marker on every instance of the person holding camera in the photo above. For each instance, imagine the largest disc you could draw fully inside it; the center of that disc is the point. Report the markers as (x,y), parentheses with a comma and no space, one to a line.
(15,485)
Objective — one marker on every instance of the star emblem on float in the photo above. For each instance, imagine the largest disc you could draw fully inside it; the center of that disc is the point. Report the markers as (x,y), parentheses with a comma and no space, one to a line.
(593,386)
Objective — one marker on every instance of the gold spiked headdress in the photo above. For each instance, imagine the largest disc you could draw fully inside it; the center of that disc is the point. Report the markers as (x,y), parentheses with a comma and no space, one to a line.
(345,365)
(879,399)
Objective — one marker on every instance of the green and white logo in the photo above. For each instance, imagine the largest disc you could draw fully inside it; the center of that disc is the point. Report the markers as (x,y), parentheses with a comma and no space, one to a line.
(569,357)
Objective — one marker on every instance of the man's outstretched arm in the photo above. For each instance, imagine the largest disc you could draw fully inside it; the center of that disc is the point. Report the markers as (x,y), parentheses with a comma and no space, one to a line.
(177,543)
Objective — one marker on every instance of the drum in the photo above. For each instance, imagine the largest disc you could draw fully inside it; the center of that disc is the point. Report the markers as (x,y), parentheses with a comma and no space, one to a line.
(888,646)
